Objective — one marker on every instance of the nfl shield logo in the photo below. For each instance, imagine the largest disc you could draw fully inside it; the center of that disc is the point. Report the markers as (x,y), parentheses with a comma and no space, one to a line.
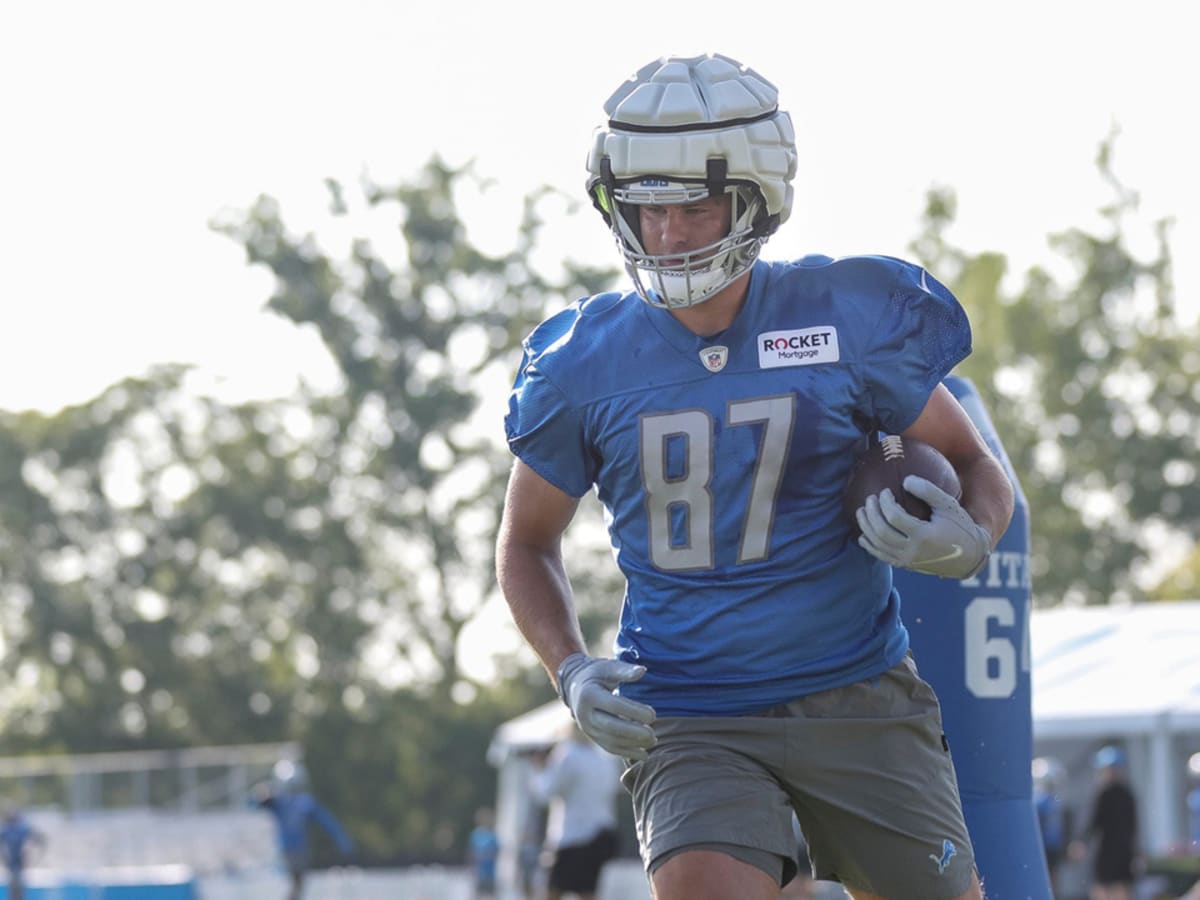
(714,358)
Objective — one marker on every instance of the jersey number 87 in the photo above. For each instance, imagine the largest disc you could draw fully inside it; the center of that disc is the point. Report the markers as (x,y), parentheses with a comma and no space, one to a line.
(691,494)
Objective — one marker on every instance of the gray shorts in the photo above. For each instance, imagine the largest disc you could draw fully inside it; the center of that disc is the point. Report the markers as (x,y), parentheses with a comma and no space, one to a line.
(865,768)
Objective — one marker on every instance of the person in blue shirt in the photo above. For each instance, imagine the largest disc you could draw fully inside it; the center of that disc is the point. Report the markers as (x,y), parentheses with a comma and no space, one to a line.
(295,810)
(483,851)
(761,664)
(1051,814)
(17,839)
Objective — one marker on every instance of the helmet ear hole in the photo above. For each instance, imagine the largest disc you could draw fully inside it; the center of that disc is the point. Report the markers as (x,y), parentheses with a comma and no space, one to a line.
(633,220)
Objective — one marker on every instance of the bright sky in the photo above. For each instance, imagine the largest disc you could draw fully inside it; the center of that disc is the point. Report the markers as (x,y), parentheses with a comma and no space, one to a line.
(128,125)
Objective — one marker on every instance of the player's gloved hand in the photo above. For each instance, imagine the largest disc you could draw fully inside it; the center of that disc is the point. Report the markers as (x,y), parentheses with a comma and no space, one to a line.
(951,544)
(617,724)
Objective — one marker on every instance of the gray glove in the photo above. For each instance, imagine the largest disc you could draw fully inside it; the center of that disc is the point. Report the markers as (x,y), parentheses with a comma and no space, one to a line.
(950,545)
(618,725)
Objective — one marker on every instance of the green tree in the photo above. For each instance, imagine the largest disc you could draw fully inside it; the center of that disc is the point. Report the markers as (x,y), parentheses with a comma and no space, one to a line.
(417,340)
(1182,582)
(416,478)
(168,574)
(181,572)
(1090,380)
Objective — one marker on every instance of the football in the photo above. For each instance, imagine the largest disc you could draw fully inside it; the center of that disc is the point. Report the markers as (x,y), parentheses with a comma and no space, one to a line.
(885,464)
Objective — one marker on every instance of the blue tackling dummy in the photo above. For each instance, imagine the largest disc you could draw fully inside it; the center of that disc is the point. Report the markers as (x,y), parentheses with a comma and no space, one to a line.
(985,689)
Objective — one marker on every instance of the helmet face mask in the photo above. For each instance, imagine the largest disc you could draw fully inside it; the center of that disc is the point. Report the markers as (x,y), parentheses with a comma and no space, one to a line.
(679,279)
(684,130)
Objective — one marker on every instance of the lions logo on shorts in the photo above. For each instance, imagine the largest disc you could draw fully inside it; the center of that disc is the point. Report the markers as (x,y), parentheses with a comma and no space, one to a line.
(948,851)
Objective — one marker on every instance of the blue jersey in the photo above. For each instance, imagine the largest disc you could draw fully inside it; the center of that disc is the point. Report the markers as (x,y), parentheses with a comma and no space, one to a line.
(721,460)
(1050,819)
(485,849)
(15,836)
(293,814)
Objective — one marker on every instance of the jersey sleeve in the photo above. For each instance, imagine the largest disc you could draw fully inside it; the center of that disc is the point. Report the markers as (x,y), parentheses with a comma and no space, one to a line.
(332,826)
(921,335)
(544,429)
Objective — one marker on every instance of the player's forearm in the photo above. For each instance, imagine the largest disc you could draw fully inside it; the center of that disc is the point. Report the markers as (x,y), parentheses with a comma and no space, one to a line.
(535,585)
(988,495)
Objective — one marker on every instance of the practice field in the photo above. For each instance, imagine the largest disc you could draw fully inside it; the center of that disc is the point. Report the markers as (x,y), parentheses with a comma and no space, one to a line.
(621,880)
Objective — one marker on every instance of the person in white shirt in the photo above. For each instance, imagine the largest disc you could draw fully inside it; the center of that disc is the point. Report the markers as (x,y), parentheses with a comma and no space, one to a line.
(579,783)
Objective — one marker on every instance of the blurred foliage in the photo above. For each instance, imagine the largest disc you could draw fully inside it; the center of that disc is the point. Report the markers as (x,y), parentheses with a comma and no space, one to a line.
(1092,382)
(1182,583)
(181,572)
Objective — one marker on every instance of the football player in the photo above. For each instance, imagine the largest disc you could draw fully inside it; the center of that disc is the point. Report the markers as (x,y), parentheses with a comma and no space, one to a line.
(761,666)
(19,842)
(295,809)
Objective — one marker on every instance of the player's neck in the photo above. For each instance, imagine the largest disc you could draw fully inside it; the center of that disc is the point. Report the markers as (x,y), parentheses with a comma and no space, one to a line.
(718,312)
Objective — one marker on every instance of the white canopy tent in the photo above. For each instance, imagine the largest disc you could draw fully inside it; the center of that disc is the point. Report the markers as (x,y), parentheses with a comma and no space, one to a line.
(1100,674)
(1127,675)
(1127,669)
(516,813)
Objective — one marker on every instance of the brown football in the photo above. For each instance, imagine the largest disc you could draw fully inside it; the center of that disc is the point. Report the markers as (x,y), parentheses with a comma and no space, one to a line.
(885,464)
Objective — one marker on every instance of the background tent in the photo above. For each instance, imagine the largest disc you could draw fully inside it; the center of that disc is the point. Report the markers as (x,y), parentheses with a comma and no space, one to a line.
(1130,676)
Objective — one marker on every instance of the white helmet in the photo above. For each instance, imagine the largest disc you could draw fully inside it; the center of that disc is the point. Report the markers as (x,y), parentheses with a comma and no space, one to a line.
(682,130)
(290,776)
